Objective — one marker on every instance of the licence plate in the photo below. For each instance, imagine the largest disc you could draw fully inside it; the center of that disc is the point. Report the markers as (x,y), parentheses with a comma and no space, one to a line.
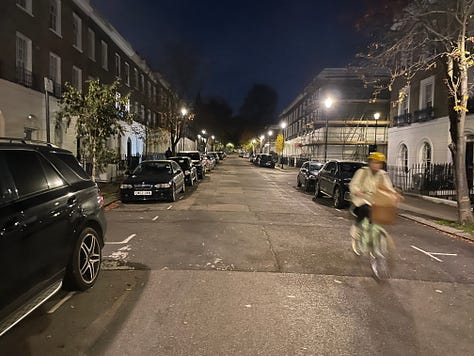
(142,192)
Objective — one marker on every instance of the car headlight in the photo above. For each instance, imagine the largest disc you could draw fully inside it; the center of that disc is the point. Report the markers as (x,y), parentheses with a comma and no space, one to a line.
(126,186)
(163,185)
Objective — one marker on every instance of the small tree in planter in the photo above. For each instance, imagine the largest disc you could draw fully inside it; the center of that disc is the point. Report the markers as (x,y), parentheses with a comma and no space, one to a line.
(100,113)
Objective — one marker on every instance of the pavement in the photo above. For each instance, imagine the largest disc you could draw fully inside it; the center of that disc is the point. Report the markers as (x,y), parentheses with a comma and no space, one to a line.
(425,210)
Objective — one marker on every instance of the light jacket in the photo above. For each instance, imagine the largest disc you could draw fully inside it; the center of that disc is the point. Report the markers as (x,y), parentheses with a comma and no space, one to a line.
(367,182)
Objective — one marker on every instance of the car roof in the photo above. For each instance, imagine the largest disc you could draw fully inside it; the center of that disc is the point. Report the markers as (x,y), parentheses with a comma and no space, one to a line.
(344,161)
(16,143)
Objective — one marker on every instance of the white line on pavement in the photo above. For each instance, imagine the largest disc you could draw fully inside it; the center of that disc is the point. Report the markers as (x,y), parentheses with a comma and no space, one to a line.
(443,254)
(121,242)
(168,208)
(155,218)
(61,302)
(427,253)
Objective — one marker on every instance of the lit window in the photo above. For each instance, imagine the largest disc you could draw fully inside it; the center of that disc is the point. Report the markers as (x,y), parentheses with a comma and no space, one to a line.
(425,153)
(77,31)
(403,101)
(91,44)
(55,68)
(104,55)
(426,93)
(55,16)
(23,60)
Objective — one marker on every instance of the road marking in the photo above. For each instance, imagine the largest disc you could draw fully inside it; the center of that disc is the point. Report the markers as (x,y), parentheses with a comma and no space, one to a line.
(61,302)
(127,240)
(155,218)
(432,254)
(168,208)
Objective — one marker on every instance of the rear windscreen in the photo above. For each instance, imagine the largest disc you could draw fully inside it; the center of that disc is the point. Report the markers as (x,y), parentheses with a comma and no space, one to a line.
(70,168)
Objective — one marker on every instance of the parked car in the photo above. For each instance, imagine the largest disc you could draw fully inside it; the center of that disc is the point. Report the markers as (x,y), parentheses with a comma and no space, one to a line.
(334,178)
(308,174)
(222,155)
(197,161)
(212,161)
(265,160)
(189,170)
(52,227)
(216,156)
(153,180)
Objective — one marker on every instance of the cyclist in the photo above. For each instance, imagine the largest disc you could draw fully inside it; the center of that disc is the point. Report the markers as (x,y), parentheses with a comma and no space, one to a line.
(363,187)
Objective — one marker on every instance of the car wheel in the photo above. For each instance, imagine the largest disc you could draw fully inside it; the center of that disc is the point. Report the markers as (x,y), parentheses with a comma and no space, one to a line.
(307,186)
(298,183)
(338,198)
(317,190)
(84,265)
(173,194)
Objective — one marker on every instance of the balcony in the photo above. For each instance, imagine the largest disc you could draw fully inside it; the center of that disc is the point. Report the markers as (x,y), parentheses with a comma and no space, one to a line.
(402,120)
(423,115)
(24,77)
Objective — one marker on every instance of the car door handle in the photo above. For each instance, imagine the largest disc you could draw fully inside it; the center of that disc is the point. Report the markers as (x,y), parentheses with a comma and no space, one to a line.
(72,201)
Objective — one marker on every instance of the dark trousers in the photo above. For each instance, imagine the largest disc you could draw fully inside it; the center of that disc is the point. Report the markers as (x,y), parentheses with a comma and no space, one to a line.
(362,212)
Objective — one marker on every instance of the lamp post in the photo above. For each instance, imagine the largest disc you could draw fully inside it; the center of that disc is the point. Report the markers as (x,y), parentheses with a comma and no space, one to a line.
(376,118)
(262,138)
(283,126)
(184,112)
(253,146)
(327,103)
(213,142)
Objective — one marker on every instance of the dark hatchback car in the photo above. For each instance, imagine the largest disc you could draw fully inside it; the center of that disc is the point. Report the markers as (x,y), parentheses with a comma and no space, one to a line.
(265,160)
(308,174)
(52,227)
(196,158)
(190,172)
(334,178)
(153,180)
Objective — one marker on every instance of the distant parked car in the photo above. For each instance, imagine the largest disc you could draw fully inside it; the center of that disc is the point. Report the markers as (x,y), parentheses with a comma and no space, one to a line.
(153,180)
(216,156)
(212,161)
(190,172)
(308,174)
(52,227)
(334,178)
(222,155)
(197,161)
(265,160)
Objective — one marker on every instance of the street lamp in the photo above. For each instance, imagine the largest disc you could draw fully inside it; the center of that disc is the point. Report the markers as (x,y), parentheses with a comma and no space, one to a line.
(376,118)
(283,126)
(327,103)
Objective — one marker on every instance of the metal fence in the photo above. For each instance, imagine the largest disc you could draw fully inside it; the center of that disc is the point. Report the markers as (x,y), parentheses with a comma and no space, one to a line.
(436,180)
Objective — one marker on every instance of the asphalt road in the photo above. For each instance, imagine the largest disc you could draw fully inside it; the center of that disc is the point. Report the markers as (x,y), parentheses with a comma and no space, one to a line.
(246,264)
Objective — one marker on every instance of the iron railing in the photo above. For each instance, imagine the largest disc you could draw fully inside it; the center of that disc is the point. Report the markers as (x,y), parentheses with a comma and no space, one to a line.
(24,76)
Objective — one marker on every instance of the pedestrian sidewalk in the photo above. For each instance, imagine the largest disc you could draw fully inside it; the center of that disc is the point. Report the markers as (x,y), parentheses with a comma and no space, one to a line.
(424,210)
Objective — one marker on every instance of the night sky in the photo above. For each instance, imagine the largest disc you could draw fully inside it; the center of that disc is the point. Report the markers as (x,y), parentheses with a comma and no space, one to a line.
(282,43)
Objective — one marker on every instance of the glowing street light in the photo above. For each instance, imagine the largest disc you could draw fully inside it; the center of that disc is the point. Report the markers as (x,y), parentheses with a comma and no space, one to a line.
(283,126)
(270,132)
(328,104)
(376,118)
(184,111)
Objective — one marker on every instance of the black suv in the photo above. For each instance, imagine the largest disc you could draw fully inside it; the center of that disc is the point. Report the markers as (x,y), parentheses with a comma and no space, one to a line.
(52,227)
(334,178)
(196,158)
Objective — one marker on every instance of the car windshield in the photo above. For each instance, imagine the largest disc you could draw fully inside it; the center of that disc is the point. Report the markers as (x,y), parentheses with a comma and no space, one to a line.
(183,163)
(193,155)
(152,168)
(348,169)
(265,158)
(315,166)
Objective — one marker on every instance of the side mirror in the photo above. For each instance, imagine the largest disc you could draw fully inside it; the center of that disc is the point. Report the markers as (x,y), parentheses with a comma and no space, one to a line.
(304,170)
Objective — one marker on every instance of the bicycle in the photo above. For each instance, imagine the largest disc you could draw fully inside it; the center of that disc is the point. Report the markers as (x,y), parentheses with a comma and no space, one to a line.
(373,240)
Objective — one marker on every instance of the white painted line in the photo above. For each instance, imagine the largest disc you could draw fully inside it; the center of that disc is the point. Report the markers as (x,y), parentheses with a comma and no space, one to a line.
(168,208)
(155,218)
(427,253)
(127,240)
(61,302)
(443,254)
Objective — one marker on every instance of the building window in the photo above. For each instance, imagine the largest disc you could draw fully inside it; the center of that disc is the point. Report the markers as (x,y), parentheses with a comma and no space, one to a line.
(142,112)
(104,55)
(143,82)
(23,60)
(403,157)
(76,80)
(154,94)
(127,74)
(118,71)
(426,93)
(91,44)
(425,153)
(55,73)
(404,101)
(55,16)
(135,77)
(77,32)
(149,90)
(25,5)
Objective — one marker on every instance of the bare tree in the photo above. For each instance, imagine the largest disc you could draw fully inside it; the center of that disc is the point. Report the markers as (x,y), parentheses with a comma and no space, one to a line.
(434,34)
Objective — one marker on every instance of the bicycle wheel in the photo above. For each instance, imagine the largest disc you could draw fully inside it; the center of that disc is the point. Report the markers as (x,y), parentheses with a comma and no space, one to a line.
(379,255)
